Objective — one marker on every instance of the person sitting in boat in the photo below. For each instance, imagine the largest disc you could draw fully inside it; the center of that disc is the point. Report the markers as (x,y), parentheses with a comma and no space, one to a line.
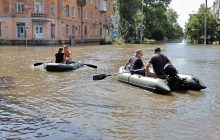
(135,64)
(67,54)
(158,61)
(59,56)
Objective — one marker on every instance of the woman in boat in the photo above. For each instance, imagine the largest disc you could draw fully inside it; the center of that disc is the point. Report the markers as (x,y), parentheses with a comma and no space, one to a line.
(135,63)
(67,54)
(59,56)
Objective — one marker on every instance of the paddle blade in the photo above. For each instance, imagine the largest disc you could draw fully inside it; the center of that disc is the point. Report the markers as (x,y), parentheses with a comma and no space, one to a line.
(90,65)
(100,76)
(37,64)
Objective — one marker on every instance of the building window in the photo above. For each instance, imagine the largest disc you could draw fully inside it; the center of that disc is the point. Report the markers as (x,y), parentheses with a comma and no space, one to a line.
(52,9)
(96,3)
(96,30)
(100,18)
(67,10)
(53,31)
(73,12)
(96,15)
(91,15)
(21,32)
(91,33)
(79,12)
(79,29)
(20,6)
(39,6)
(0,29)
(85,30)
(73,29)
(85,14)
(100,31)
(107,6)
(67,29)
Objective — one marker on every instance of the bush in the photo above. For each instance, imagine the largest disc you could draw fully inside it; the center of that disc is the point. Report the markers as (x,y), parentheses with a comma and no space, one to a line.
(118,41)
(106,41)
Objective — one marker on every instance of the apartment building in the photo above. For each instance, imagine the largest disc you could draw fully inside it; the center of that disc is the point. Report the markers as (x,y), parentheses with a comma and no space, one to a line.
(54,21)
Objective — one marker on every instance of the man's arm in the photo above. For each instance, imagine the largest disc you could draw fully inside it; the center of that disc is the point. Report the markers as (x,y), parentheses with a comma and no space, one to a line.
(148,66)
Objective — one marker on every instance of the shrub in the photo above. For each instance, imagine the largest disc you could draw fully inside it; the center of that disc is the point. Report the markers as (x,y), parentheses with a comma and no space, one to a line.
(118,41)
(106,41)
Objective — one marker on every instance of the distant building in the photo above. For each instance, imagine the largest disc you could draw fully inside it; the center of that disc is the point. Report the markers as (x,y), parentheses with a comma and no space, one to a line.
(216,9)
(54,21)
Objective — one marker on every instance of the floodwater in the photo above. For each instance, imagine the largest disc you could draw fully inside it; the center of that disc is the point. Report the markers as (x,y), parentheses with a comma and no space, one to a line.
(35,104)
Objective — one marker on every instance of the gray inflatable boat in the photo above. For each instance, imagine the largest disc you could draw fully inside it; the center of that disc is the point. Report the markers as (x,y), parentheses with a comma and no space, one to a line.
(156,84)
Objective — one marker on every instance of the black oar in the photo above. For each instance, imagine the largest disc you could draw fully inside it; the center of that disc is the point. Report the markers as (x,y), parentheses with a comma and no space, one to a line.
(91,66)
(38,63)
(100,76)
(103,76)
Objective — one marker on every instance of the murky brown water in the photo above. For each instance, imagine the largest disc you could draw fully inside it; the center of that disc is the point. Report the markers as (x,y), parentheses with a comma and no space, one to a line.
(35,104)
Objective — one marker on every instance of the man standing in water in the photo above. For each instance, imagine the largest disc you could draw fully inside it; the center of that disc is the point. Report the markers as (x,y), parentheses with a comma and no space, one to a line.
(158,61)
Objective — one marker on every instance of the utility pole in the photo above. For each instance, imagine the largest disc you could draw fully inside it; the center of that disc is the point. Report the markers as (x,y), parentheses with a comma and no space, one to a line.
(205,23)
(141,32)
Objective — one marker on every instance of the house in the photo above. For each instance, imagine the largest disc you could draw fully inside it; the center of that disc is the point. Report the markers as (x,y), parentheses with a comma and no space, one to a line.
(54,21)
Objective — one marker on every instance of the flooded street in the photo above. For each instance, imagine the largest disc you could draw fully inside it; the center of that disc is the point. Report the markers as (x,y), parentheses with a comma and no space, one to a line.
(35,104)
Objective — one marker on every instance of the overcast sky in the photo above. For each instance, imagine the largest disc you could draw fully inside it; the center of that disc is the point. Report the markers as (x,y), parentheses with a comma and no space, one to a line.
(186,7)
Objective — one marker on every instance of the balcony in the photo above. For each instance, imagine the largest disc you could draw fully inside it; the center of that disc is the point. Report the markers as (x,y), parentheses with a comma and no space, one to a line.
(39,15)
(103,6)
(81,2)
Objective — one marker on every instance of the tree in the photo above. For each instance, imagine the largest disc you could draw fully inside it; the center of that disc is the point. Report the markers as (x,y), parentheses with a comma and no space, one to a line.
(128,11)
(194,29)
(173,29)
(157,20)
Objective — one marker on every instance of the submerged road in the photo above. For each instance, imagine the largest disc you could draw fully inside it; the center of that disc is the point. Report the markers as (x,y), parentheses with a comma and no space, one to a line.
(35,104)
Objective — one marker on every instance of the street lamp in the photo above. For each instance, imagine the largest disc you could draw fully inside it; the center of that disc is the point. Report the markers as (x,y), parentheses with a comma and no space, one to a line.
(141,32)
(205,23)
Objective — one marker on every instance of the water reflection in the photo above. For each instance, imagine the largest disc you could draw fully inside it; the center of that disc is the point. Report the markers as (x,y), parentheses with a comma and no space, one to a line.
(36,104)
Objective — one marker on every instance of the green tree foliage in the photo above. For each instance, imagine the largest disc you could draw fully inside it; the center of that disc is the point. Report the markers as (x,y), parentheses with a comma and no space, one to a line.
(194,29)
(157,20)
(128,13)
(173,29)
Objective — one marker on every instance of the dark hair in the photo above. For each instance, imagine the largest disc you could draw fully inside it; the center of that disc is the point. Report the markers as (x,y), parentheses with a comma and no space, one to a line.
(60,50)
(157,50)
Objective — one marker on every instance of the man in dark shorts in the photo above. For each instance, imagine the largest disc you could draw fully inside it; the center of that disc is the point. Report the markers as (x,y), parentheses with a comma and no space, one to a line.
(158,61)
